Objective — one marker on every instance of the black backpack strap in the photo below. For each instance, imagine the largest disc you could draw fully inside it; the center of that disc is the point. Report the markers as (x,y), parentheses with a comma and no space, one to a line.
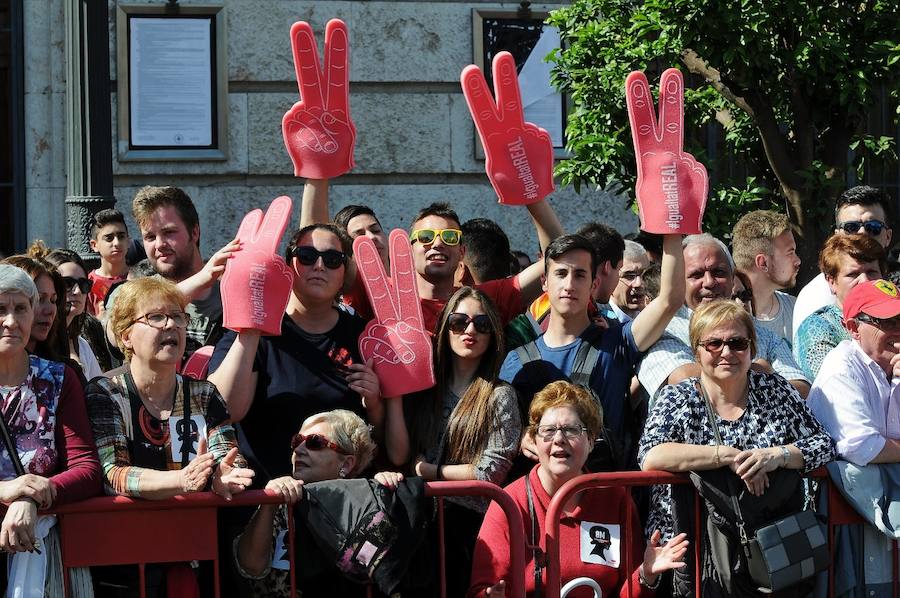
(586,358)
(528,353)
(537,553)
(187,443)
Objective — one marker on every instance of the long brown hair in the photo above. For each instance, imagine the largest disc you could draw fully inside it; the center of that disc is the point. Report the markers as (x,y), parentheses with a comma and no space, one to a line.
(472,419)
(56,346)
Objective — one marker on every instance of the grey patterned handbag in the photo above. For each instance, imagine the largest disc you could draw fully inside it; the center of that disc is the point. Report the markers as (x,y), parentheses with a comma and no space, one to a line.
(783,552)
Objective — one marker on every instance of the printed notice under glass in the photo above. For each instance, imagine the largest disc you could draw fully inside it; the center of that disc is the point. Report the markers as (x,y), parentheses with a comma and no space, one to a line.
(171,82)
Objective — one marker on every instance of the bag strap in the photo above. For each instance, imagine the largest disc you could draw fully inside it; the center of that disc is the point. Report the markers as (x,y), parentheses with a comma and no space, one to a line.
(537,554)
(186,420)
(11,447)
(528,353)
(585,360)
(732,487)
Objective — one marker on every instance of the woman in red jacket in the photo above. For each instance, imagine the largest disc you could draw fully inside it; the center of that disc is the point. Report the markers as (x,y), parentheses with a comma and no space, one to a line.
(564,422)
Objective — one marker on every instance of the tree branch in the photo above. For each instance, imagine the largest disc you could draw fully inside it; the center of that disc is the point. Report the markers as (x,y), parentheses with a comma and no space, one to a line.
(698,66)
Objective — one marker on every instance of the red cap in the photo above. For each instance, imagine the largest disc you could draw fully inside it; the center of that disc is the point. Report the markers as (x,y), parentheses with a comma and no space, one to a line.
(876,298)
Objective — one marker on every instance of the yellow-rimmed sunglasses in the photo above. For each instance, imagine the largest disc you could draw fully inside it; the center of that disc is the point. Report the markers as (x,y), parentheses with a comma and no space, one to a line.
(426,236)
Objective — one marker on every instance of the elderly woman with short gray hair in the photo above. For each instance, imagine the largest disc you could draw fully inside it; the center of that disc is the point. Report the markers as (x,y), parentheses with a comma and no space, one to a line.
(48,456)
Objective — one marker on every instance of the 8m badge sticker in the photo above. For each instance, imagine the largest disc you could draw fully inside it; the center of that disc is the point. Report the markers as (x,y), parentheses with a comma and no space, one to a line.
(600,543)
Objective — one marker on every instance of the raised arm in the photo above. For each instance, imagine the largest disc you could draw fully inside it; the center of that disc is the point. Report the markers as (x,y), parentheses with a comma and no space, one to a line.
(234,377)
(652,321)
(314,208)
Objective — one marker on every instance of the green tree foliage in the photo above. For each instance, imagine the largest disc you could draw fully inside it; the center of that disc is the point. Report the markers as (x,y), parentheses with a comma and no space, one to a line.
(791,82)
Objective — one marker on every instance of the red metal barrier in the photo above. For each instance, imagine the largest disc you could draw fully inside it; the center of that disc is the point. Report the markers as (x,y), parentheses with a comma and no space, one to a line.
(607,480)
(184,528)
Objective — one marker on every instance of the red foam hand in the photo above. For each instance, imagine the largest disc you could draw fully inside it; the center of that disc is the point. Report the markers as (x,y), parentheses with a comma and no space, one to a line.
(396,340)
(197,364)
(257,283)
(318,133)
(671,184)
(518,154)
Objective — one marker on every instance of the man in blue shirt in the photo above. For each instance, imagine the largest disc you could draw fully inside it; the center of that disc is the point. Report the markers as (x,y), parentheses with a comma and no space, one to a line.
(569,280)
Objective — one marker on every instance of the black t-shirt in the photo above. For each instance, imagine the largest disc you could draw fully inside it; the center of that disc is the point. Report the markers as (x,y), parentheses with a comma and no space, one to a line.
(299,375)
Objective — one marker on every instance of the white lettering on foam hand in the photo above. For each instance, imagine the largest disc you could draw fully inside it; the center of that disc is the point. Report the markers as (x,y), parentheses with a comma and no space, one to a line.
(523,168)
(257,286)
(670,190)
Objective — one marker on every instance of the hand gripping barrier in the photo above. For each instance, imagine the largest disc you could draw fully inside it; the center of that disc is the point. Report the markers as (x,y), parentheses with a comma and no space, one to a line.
(112,530)
(839,513)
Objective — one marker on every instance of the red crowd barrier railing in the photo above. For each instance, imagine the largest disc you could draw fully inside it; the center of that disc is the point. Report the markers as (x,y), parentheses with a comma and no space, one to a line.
(114,530)
(839,513)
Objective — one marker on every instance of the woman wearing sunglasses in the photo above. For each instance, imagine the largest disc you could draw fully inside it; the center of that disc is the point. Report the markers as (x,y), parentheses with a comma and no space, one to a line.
(564,421)
(467,427)
(272,384)
(331,445)
(762,421)
(84,333)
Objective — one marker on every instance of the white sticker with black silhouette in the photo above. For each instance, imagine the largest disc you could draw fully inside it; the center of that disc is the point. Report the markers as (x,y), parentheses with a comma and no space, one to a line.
(186,435)
(600,543)
(280,557)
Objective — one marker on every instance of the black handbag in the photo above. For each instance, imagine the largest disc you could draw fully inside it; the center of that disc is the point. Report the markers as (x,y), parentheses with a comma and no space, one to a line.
(781,552)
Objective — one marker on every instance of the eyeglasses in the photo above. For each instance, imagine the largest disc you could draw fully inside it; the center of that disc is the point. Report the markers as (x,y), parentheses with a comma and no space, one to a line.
(159,320)
(84,284)
(548,433)
(886,324)
(459,323)
(332,258)
(743,296)
(449,236)
(872,227)
(630,277)
(714,345)
(315,442)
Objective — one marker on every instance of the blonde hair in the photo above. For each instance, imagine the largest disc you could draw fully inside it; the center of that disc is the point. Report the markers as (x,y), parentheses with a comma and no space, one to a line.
(129,299)
(350,432)
(754,234)
(565,394)
(717,313)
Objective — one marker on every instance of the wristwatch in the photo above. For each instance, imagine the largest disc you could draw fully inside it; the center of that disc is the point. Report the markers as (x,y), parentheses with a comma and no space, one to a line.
(785,454)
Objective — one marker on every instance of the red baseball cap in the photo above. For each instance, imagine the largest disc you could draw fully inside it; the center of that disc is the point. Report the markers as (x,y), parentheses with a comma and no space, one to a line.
(876,298)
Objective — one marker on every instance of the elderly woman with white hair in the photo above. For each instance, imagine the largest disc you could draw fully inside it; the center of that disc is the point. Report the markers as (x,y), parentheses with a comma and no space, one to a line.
(329,445)
(47,454)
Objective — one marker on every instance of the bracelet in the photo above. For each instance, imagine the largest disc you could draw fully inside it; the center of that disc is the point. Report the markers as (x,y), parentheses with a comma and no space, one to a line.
(437,473)
(718,461)
(643,580)
(785,454)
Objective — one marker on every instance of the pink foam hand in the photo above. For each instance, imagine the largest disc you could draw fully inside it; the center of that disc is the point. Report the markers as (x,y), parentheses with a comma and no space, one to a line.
(396,340)
(671,184)
(318,132)
(257,283)
(518,154)
(197,364)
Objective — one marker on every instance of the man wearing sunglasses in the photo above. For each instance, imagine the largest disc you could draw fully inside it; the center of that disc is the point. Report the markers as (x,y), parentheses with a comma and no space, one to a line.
(765,251)
(860,209)
(709,275)
(856,396)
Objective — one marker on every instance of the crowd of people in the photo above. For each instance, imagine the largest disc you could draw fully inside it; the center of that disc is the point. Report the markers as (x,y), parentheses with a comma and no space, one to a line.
(657,352)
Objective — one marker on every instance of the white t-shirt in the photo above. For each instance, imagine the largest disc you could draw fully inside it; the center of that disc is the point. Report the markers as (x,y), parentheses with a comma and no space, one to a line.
(814,295)
(89,364)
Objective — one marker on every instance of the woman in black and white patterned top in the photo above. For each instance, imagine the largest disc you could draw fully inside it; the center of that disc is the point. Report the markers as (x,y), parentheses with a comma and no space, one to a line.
(763,422)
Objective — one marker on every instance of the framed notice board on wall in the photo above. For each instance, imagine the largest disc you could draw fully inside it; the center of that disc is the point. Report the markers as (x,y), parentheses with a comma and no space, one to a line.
(523,34)
(172,83)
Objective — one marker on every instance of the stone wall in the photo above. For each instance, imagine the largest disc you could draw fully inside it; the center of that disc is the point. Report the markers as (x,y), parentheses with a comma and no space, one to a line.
(415,139)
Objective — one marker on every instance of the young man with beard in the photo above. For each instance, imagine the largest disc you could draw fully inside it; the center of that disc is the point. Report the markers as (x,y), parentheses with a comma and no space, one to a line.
(570,280)
(709,275)
(765,250)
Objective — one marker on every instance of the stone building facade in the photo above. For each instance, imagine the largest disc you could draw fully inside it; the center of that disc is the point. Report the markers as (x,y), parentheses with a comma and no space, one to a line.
(415,138)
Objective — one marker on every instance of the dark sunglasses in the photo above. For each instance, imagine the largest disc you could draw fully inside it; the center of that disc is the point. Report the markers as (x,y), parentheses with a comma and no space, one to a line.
(714,345)
(426,236)
(743,296)
(84,284)
(889,324)
(872,227)
(459,322)
(332,258)
(315,442)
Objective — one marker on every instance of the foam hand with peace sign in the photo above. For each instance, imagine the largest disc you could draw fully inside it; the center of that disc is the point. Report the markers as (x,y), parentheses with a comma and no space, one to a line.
(395,340)
(671,184)
(518,154)
(318,133)
(257,283)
